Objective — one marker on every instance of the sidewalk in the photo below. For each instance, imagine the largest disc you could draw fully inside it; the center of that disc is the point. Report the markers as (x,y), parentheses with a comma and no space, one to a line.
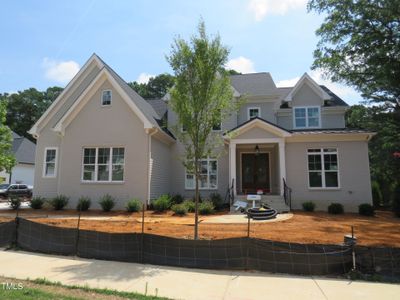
(178,283)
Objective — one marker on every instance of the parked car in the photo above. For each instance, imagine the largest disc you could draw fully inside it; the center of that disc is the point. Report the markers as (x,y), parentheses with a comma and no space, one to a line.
(22,190)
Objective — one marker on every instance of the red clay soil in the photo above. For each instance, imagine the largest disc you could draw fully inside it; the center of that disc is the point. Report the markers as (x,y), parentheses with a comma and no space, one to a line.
(303,227)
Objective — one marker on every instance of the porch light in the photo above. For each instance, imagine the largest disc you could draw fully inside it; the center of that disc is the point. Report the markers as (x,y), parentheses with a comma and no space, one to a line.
(257,150)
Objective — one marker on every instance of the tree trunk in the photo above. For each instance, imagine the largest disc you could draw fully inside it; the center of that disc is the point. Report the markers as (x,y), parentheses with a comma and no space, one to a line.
(196,210)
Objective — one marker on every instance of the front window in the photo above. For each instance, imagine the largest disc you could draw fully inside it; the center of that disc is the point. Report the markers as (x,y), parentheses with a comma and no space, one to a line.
(323,168)
(106,98)
(50,162)
(208,175)
(253,112)
(102,164)
(307,117)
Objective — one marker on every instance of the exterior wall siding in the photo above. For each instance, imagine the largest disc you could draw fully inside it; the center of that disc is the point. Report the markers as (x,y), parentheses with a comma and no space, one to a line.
(328,119)
(23,173)
(160,171)
(267,111)
(306,96)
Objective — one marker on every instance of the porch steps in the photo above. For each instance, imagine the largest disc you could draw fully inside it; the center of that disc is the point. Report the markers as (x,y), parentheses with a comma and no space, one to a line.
(274,201)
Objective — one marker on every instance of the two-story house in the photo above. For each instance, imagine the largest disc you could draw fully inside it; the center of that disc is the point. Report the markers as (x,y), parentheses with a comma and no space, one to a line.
(99,136)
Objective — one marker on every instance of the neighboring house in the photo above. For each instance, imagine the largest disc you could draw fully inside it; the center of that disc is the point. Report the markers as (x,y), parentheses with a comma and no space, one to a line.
(24,170)
(99,136)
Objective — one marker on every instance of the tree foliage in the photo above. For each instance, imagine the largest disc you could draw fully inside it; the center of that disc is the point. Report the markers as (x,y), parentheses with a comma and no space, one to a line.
(157,86)
(7,159)
(360,45)
(201,97)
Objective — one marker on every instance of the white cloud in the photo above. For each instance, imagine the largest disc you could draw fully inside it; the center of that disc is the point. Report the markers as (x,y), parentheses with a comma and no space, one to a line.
(261,8)
(241,64)
(60,71)
(345,92)
(144,78)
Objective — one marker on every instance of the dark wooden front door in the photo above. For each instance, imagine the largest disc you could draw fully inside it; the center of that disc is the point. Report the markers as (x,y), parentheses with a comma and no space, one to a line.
(255,172)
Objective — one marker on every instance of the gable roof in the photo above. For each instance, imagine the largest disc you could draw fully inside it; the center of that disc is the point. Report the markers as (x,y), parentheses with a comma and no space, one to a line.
(159,105)
(306,79)
(254,84)
(23,149)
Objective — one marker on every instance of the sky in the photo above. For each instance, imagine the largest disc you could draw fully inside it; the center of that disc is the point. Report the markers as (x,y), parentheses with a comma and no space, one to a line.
(44,43)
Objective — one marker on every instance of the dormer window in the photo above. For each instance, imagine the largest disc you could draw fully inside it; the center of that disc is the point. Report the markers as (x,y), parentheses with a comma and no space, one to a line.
(307,117)
(106,98)
(253,112)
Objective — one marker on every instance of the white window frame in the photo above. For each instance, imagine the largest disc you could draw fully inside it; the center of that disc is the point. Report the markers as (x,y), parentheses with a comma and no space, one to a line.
(208,159)
(44,175)
(96,165)
(254,107)
(321,153)
(102,94)
(306,109)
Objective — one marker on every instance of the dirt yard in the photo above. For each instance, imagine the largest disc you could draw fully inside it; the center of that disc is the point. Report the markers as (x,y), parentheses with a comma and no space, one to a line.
(303,227)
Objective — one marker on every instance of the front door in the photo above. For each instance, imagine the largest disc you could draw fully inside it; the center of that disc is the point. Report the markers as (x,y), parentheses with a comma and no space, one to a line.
(255,173)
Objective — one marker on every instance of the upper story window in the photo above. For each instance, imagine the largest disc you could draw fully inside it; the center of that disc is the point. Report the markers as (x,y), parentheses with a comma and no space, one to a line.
(106,97)
(253,112)
(217,126)
(307,117)
(50,162)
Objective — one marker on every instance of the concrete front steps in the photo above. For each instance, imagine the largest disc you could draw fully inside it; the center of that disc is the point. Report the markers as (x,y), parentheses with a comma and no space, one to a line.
(274,201)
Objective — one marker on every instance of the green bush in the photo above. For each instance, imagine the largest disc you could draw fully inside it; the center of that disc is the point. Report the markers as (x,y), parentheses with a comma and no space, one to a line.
(84,204)
(206,208)
(217,201)
(190,205)
(366,209)
(107,202)
(179,209)
(15,202)
(162,203)
(335,208)
(376,194)
(177,199)
(59,202)
(194,199)
(37,202)
(308,206)
(133,205)
(396,201)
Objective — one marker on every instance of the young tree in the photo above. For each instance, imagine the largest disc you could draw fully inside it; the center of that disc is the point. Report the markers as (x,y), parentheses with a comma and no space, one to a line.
(202,97)
(7,159)
(360,45)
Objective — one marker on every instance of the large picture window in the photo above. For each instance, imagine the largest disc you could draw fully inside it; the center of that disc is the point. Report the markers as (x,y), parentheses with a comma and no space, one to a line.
(208,176)
(307,117)
(102,164)
(323,168)
(50,162)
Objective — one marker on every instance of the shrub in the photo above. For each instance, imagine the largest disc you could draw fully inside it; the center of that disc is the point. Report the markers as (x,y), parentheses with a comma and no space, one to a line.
(107,202)
(366,209)
(177,199)
(190,205)
(335,209)
(179,209)
(396,201)
(133,205)
(162,203)
(37,202)
(15,202)
(376,194)
(308,206)
(59,202)
(83,204)
(194,199)
(206,208)
(217,201)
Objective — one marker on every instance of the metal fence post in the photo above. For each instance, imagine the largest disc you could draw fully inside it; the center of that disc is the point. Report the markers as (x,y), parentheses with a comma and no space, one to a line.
(142,236)
(77,233)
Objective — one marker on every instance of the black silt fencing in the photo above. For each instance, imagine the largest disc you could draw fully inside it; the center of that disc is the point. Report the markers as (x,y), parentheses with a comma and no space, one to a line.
(7,233)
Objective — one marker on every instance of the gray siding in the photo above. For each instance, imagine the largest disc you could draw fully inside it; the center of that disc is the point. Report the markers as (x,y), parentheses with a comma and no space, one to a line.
(354,175)
(160,171)
(306,96)
(267,111)
(328,119)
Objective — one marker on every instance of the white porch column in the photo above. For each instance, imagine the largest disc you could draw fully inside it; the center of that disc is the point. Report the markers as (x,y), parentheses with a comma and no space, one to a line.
(232,165)
(282,163)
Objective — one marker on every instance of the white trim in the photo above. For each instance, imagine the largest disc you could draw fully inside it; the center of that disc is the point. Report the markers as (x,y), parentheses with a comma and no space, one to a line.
(306,117)
(261,124)
(269,168)
(208,159)
(253,107)
(45,163)
(321,153)
(312,84)
(232,166)
(102,100)
(282,165)
(257,141)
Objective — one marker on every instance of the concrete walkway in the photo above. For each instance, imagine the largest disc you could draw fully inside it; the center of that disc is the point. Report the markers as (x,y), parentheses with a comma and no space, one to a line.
(178,283)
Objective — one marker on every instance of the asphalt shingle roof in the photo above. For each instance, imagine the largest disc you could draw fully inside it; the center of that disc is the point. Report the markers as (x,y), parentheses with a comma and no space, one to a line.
(254,84)
(23,149)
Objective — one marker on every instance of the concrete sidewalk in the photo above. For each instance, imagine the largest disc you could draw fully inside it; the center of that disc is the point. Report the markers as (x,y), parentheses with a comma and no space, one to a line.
(178,283)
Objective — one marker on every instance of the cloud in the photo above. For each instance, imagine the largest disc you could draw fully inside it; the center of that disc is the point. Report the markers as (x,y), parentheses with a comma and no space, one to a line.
(60,71)
(261,8)
(144,78)
(241,64)
(345,92)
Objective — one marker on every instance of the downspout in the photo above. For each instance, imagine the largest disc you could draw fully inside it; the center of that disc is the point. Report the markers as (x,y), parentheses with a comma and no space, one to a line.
(150,132)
